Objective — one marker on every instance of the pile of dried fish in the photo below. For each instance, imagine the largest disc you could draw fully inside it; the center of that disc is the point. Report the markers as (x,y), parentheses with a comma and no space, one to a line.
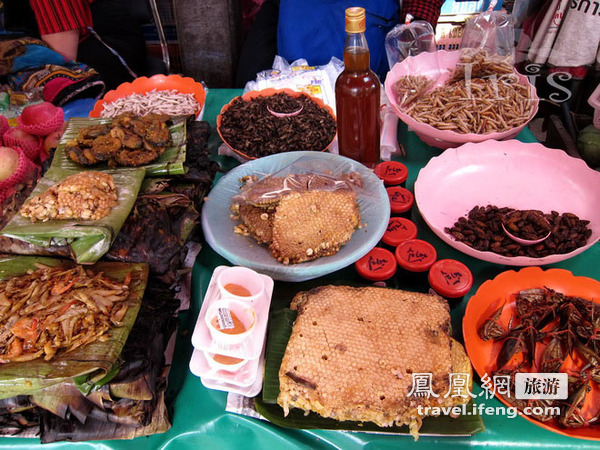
(169,102)
(53,309)
(548,333)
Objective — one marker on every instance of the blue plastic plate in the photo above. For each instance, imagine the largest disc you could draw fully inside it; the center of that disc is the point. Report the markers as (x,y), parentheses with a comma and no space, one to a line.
(245,251)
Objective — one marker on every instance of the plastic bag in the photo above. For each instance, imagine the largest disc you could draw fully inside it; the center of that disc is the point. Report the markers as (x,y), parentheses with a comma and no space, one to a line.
(306,173)
(409,39)
(490,34)
(318,81)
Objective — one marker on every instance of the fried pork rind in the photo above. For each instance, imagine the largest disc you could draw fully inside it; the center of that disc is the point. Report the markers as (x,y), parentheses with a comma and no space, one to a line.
(86,196)
(353,352)
(57,309)
(301,217)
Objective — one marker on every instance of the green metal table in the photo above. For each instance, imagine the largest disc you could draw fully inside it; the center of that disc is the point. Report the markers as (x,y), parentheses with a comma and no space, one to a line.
(198,414)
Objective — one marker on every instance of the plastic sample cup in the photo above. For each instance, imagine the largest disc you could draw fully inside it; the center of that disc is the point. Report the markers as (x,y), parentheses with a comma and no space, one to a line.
(392,173)
(378,265)
(414,257)
(230,321)
(240,283)
(401,201)
(450,278)
(223,362)
(399,229)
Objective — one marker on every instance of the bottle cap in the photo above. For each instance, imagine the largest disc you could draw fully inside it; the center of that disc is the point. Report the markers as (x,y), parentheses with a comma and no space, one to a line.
(391,172)
(399,230)
(450,278)
(401,199)
(356,21)
(415,255)
(377,265)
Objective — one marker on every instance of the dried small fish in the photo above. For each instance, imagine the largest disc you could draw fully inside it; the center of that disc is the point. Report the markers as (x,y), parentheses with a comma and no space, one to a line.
(169,102)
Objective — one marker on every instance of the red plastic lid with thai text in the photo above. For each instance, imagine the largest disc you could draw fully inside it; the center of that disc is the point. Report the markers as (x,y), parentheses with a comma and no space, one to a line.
(391,172)
(415,255)
(401,199)
(399,230)
(377,265)
(450,278)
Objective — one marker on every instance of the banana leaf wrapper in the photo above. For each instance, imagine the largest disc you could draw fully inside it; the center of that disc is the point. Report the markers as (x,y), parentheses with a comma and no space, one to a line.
(91,362)
(87,240)
(281,322)
(169,163)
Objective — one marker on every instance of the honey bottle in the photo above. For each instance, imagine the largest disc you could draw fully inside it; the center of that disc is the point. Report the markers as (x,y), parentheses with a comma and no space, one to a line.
(357,95)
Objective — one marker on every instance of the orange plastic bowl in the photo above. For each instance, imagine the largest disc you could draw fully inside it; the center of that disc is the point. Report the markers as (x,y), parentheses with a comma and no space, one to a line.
(184,85)
(267,93)
(500,291)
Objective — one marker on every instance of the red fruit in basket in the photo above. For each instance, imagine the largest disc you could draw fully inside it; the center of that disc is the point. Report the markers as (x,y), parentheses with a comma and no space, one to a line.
(41,119)
(9,162)
(16,137)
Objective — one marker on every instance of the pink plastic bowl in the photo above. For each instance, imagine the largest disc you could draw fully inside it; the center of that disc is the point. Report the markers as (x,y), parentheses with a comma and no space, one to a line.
(41,119)
(439,65)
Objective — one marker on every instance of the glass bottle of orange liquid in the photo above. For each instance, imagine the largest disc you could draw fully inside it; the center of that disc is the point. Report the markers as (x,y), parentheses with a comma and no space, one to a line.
(357,95)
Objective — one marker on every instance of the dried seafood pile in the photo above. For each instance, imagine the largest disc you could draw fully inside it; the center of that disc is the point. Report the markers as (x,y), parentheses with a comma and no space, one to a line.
(127,141)
(551,332)
(484,95)
(55,309)
(300,217)
(169,102)
(249,127)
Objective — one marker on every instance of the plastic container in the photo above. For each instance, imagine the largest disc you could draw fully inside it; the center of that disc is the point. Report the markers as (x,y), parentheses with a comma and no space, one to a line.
(399,229)
(414,257)
(378,265)
(230,321)
(240,283)
(401,201)
(450,279)
(594,101)
(392,173)
(243,378)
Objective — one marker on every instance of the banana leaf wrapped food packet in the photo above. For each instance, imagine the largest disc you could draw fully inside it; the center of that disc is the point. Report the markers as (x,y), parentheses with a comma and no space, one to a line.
(93,361)
(87,240)
(170,162)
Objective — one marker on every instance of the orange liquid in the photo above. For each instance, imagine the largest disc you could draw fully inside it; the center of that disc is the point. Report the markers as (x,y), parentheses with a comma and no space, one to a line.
(222,359)
(357,95)
(238,290)
(238,326)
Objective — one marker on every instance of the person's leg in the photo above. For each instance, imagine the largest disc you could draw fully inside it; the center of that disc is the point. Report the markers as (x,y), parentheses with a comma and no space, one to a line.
(260,47)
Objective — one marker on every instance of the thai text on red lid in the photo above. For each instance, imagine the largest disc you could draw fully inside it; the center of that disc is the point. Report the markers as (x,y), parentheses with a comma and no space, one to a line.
(450,278)
(415,255)
(399,230)
(377,265)
(401,199)
(391,172)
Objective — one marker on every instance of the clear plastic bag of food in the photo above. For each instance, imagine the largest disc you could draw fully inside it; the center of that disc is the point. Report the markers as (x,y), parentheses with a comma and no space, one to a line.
(487,45)
(409,39)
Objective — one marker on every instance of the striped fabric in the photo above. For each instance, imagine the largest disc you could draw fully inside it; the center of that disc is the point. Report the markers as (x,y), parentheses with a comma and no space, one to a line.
(54,16)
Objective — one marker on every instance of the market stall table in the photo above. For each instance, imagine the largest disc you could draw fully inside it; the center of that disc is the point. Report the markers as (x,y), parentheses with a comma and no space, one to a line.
(198,414)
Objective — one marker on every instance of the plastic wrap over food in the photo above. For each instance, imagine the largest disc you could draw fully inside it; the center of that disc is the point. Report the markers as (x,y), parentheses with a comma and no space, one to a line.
(409,39)
(320,170)
(305,174)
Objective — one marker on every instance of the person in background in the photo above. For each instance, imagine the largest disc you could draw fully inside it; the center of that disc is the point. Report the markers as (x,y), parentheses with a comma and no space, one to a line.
(100,33)
(314,30)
